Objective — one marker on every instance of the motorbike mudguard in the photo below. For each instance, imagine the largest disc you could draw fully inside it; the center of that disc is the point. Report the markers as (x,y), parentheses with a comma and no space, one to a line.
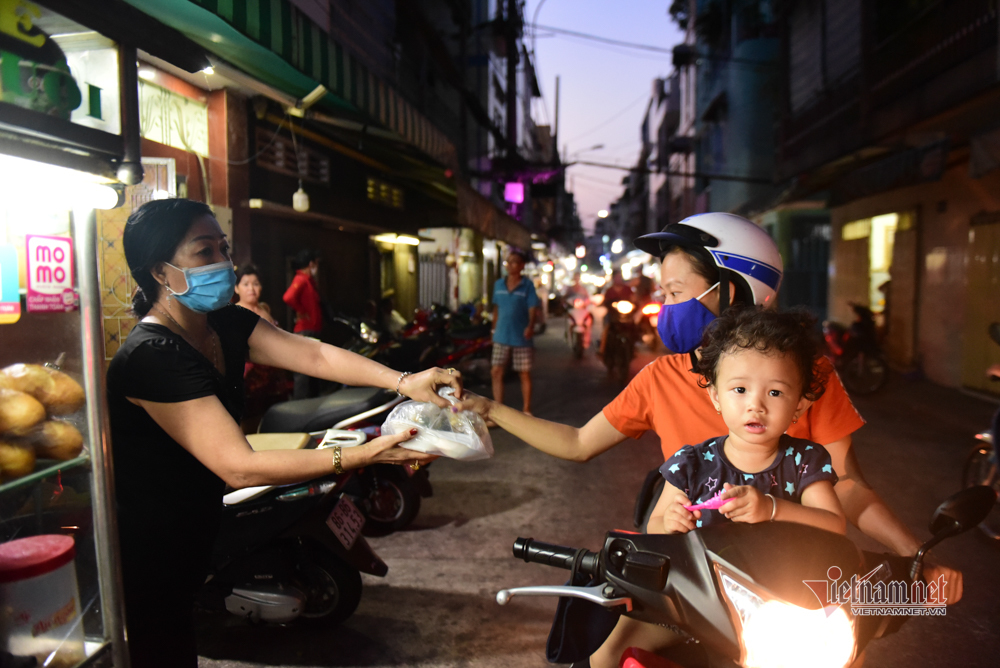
(360,556)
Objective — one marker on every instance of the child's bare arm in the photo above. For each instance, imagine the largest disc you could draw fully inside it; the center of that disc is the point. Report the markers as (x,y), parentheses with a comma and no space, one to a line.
(669,515)
(819,507)
(823,507)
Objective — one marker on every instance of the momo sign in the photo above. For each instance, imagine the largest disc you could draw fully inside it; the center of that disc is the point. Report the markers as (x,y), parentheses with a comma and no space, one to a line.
(50,274)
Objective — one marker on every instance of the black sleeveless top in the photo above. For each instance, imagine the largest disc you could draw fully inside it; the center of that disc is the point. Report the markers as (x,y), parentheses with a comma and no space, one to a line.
(168,502)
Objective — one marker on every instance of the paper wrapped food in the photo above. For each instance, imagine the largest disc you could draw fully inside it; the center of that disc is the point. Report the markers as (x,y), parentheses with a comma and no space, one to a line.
(461,435)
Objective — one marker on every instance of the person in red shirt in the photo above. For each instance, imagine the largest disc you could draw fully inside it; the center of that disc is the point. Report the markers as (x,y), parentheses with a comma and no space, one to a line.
(302,296)
(704,260)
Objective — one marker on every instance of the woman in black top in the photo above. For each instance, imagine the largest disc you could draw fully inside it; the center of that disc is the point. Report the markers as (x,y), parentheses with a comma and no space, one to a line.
(175,391)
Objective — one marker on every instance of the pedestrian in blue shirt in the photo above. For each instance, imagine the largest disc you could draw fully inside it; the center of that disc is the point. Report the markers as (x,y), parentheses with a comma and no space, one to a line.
(515,309)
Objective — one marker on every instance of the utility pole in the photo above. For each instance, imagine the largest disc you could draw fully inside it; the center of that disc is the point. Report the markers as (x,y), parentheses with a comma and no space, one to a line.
(555,125)
(512,33)
(555,161)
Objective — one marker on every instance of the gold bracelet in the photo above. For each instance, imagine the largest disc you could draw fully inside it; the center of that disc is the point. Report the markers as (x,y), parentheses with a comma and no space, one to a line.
(337,466)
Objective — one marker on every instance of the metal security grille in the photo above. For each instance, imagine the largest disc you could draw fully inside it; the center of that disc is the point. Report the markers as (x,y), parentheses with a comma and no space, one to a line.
(433,279)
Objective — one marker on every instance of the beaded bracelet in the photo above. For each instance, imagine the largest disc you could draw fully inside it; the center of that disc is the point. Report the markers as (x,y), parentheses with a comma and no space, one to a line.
(400,380)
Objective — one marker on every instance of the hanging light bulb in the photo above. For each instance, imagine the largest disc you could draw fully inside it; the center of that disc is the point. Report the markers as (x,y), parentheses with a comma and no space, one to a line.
(300,200)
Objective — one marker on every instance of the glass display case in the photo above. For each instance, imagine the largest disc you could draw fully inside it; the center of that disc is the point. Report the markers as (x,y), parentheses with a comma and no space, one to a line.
(59,599)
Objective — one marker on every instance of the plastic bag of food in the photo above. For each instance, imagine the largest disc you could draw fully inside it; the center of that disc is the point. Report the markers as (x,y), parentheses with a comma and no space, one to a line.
(461,435)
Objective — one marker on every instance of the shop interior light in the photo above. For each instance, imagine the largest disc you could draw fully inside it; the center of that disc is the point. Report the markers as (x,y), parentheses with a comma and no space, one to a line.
(390,238)
(208,70)
(617,246)
(146,73)
(581,251)
(39,184)
(300,200)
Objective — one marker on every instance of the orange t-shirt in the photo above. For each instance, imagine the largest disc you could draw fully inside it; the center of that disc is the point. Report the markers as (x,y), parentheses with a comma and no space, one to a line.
(665,397)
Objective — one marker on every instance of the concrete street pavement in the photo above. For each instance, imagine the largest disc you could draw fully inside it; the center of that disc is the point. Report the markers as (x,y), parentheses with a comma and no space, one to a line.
(436,607)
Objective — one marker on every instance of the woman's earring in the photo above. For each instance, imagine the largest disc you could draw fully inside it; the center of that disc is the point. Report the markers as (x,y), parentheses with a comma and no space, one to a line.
(795,420)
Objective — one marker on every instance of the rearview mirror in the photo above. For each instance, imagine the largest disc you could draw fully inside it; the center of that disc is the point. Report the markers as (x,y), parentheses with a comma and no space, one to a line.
(963,510)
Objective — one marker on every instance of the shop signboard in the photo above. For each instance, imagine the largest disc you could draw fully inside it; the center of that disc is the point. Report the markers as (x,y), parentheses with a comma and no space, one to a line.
(50,274)
(10,293)
(51,65)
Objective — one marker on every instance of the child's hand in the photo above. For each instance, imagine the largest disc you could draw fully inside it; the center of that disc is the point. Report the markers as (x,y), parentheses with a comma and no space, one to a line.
(748,504)
(678,519)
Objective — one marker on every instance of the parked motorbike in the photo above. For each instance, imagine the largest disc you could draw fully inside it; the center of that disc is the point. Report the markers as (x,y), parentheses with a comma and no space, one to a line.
(648,315)
(579,322)
(388,495)
(855,352)
(619,347)
(764,594)
(292,551)
(981,464)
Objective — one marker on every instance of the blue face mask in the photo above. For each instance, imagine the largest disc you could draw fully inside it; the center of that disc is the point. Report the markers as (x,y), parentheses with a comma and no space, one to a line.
(209,288)
(681,326)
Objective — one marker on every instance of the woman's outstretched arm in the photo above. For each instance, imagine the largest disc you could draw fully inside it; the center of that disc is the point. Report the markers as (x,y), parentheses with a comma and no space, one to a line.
(579,444)
(274,347)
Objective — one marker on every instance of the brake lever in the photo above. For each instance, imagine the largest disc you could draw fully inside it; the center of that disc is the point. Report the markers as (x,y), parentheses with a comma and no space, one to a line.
(593,594)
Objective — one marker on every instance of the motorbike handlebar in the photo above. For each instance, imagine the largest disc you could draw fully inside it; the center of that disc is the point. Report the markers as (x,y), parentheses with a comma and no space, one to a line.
(533,551)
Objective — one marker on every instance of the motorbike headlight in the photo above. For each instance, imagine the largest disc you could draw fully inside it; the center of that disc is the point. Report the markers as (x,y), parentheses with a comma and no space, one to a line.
(651,309)
(368,334)
(777,634)
(624,307)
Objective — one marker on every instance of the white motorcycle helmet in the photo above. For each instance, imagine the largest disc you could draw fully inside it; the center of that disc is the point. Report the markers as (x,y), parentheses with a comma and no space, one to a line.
(743,252)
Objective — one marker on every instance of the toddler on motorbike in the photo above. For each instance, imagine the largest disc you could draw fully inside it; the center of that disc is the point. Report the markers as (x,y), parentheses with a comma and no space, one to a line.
(759,367)
(760,370)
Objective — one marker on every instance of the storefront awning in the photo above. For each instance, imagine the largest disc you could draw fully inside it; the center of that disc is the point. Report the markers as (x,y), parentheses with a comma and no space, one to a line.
(275,210)
(480,214)
(283,48)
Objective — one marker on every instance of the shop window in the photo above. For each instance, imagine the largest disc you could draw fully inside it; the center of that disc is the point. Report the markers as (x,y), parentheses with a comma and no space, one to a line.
(880,231)
(385,194)
(858,229)
(387,265)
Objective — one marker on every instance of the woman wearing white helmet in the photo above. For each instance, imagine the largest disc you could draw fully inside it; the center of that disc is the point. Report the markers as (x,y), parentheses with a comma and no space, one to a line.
(709,262)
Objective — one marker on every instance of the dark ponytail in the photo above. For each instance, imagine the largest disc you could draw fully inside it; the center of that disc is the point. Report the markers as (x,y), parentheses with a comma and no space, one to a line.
(152,234)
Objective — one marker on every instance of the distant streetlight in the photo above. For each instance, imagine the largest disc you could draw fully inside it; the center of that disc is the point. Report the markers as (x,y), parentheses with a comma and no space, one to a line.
(581,251)
(617,246)
(603,213)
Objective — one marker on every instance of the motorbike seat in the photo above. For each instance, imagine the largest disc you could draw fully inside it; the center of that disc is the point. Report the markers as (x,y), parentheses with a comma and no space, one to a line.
(467,333)
(277,441)
(306,415)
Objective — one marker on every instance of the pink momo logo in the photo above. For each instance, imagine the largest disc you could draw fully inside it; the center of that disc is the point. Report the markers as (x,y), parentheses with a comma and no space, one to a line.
(869,596)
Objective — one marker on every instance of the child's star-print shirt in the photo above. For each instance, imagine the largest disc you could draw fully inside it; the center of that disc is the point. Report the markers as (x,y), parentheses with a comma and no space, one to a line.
(700,471)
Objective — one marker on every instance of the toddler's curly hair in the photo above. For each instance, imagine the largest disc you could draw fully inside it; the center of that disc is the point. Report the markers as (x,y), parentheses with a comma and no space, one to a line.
(792,333)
